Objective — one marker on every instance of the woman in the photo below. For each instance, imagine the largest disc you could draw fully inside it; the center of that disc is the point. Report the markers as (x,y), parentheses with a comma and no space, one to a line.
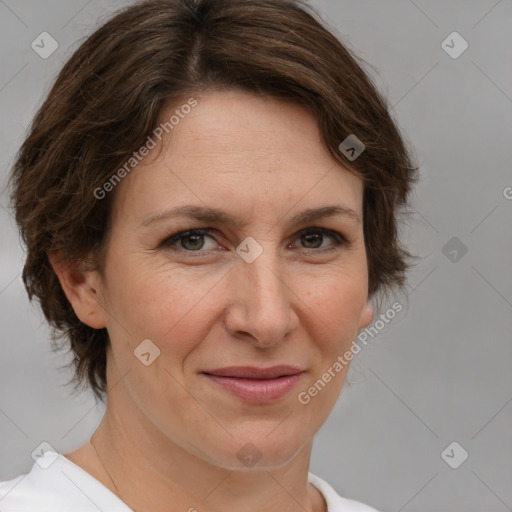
(208,197)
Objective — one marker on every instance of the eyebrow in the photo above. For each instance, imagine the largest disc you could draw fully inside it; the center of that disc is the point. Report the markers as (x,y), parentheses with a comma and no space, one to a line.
(207,214)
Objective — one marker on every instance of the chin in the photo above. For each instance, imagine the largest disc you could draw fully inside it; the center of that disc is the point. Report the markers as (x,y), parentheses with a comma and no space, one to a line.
(254,452)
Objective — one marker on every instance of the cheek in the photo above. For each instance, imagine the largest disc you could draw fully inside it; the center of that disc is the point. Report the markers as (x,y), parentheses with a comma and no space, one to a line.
(175,307)
(334,302)
(166,304)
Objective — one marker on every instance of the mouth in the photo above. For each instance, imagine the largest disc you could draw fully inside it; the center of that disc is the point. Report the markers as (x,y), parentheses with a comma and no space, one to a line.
(256,385)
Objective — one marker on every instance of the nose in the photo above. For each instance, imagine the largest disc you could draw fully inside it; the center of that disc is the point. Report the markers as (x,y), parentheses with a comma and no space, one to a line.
(261,306)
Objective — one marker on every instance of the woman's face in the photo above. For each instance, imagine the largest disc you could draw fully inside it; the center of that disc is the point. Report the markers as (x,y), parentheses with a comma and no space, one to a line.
(267,291)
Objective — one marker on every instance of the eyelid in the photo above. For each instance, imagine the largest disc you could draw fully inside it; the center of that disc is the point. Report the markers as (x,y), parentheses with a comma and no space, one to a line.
(340,240)
(176,236)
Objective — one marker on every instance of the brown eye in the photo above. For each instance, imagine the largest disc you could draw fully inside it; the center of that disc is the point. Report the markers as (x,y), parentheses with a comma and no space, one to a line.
(313,238)
(190,241)
(193,241)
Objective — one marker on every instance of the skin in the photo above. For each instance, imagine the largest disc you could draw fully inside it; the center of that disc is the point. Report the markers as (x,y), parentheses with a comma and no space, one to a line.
(170,435)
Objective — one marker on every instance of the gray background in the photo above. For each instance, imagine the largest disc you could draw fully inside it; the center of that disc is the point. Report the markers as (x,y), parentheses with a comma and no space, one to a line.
(437,373)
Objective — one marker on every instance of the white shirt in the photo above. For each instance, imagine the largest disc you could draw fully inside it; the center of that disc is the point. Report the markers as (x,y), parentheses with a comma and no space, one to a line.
(55,484)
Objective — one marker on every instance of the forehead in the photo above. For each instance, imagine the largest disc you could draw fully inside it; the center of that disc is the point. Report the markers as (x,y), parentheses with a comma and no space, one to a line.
(240,150)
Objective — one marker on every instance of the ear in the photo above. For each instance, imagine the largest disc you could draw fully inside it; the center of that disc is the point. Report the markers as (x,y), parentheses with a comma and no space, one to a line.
(366,315)
(81,288)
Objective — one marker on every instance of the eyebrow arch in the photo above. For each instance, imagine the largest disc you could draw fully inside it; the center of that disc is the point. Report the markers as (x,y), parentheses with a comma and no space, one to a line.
(206,214)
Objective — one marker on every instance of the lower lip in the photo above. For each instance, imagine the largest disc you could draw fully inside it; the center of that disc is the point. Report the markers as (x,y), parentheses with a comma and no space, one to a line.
(257,390)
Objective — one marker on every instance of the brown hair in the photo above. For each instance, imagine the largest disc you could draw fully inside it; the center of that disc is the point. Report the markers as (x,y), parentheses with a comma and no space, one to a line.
(107,100)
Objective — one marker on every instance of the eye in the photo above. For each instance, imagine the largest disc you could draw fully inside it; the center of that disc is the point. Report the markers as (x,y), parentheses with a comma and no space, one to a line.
(193,241)
(312,238)
(190,241)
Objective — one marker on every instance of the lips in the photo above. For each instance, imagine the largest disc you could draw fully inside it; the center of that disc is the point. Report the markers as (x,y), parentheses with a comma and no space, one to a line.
(252,372)
(256,385)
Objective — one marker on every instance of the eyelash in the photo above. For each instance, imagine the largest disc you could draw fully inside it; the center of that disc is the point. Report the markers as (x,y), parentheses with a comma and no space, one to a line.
(339,239)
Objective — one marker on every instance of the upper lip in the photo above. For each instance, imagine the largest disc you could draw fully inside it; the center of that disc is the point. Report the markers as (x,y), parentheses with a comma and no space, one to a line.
(253,372)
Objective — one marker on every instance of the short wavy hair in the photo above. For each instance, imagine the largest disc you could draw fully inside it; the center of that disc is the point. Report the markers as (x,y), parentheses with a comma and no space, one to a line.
(107,99)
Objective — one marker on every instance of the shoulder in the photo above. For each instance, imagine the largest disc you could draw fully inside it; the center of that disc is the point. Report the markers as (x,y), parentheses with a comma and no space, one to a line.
(19,494)
(36,491)
(335,502)
(54,485)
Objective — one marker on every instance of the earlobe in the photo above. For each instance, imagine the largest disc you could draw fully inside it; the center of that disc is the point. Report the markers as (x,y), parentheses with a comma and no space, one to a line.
(79,288)
(366,315)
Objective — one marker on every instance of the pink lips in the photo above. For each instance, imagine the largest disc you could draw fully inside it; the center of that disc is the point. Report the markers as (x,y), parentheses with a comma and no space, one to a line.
(256,385)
